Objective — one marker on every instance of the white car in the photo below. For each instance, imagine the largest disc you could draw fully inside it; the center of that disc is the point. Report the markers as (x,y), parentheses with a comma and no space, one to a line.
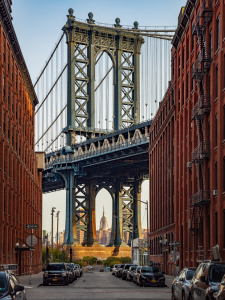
(181,284)
(114,269)
(89,267)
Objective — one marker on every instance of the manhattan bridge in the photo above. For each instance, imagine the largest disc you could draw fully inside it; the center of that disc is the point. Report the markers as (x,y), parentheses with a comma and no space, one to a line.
(98,93)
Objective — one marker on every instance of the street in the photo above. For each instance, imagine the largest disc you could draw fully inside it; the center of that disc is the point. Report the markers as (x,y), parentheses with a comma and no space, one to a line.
(96,285)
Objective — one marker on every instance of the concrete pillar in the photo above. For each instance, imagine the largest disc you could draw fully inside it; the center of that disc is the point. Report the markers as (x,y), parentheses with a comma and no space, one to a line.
(69,238)
(118,213)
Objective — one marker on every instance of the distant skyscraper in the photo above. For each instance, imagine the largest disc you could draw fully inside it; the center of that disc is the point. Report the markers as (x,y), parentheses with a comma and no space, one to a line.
(104,233)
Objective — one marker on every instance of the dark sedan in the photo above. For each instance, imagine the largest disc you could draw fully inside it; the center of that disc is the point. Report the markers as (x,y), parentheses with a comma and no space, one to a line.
(120,270)
(125,270)
(150,276)
(130,273)
(56,273)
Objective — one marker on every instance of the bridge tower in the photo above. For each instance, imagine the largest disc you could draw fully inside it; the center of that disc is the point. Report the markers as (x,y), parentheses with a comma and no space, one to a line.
(85,41)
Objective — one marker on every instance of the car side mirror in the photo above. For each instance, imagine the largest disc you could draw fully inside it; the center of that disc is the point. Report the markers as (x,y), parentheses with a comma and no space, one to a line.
(202,278)
(18,288)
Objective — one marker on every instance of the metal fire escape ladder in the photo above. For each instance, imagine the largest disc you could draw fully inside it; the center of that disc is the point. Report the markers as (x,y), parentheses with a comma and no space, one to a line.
(202,151)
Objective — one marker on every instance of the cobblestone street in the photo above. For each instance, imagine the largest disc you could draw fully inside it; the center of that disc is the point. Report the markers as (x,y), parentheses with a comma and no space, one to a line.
(96,285)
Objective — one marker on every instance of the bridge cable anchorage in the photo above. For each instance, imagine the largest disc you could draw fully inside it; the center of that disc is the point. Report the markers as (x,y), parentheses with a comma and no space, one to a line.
(51,124)
(51,55)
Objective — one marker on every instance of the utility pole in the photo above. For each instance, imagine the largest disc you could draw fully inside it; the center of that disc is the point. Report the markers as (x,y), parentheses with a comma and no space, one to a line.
(57,216)
(53,210)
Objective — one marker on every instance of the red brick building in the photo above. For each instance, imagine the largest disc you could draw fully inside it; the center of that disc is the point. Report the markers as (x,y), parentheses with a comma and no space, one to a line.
(161,178)
(198,62)
(20,180)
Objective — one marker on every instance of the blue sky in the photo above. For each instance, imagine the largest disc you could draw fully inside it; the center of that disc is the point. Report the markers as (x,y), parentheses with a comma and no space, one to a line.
(38,25)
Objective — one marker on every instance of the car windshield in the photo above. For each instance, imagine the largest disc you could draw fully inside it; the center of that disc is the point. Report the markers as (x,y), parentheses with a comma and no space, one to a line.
(138,268)
(133,268)
(150,270)
(216,273)
(3,284)
(56,267)
(127,266)
(190,274)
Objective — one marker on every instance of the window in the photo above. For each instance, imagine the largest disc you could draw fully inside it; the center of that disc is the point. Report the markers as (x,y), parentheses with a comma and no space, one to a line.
(16,81)
(8,60)
(188,48)
(16,110)
(19,117)
(193,42)
(216,130)
(216,176)
(192,82)
(179,100)
(209,231)
(183,93)
(209,87)
(8,96)
(179,66)
(12,70)
(173,67)
(183,57)
(187,85)
(8,129)
(3,51)
(210,42)
(224,174)
(3,85)
(12,104)
(218,32)
(3,121)
(217,81)
(209,179)
(224,229)
(12,137)
(19,88)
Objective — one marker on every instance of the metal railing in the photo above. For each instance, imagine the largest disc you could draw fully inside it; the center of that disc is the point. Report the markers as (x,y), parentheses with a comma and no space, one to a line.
(200,198)
(202,106)
(74,157)
(201,151)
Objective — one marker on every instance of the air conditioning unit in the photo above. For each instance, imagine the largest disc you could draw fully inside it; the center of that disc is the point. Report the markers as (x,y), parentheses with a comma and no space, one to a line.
(189,164)
(214,192)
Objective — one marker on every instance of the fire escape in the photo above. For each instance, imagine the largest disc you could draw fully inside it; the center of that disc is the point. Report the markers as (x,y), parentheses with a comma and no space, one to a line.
(202,107)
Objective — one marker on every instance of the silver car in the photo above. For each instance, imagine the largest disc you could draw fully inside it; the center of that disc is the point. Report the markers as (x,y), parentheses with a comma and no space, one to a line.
(114,269)
(181,284)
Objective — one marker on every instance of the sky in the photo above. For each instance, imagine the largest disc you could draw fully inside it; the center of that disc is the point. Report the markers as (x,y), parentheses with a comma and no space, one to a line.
(38,26)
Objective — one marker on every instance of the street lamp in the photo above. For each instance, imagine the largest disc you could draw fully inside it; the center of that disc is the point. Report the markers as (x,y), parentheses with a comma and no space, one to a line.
(53,210)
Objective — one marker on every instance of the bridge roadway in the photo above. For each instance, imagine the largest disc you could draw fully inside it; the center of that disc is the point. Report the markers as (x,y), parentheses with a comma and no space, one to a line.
(118,162)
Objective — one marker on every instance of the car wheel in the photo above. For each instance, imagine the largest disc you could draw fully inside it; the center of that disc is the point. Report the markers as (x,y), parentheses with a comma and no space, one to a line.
(140,284)
(67,281)
(190,297)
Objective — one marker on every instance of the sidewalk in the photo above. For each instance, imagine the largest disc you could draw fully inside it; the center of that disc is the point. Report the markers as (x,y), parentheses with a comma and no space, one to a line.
(36,279)
(169,280)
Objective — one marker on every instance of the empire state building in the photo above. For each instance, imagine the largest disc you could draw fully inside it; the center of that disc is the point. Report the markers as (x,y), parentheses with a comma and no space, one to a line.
(104,233)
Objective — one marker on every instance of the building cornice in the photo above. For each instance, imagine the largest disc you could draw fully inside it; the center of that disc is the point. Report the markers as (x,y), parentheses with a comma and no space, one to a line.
(6,21)
(184,20)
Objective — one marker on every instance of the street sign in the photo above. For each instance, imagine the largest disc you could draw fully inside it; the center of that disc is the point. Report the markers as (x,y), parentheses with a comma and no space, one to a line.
(174,256)
(32,226)
(31,240)
(178,243)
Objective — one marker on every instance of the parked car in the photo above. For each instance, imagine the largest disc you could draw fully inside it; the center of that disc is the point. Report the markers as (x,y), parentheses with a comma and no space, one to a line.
(181,284)
(79,270)
(117,271)
(10,287)
(114,268)
(204,284)
(89,267)
(136,273)
(71,271)
(125,270)
(150,276)
(130,273)
(56,273)
(220,295)
(120,270)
